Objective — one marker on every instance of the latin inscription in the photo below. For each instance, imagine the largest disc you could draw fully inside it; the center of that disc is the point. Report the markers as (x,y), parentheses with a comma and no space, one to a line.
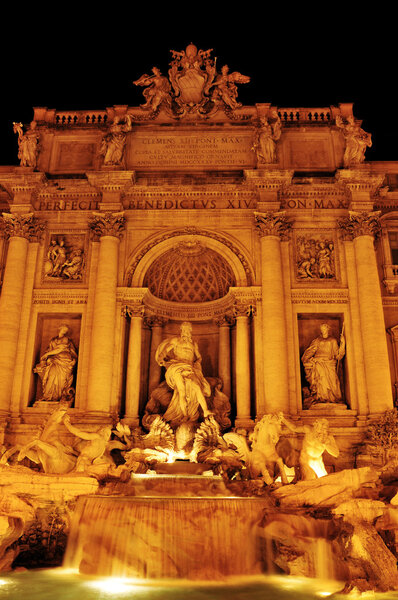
(176,151)
(328,203)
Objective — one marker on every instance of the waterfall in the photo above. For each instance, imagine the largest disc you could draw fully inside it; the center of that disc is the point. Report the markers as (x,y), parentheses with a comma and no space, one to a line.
(166,537)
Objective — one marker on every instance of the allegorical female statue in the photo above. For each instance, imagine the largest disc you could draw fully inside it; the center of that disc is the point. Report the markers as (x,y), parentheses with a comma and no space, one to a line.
(55,368)
(320,361)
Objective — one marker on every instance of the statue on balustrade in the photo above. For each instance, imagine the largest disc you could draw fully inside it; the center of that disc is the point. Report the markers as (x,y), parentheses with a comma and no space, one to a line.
(114,142)
(27,144)
(321,361)
(56,368)
(356,141)
(267,135)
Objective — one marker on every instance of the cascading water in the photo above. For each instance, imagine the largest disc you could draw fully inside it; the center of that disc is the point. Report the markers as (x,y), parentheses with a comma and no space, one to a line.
(166,537)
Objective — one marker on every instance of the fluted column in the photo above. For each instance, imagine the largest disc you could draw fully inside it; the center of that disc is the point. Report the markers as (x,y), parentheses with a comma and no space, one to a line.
(108,227)
(156,323)
(224,352)
(20,229)
(362,227)
(272,227)
(242,313)
(136,312)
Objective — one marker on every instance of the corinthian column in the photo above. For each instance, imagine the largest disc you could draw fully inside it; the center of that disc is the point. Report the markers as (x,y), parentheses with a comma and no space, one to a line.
(362,228)
(108,227)
(224,352)
(156,324)
(136,313)
(272,227)
(20,229)
(242,313)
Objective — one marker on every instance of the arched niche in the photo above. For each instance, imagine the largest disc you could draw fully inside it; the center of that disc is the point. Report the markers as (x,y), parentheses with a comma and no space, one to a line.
(153,249)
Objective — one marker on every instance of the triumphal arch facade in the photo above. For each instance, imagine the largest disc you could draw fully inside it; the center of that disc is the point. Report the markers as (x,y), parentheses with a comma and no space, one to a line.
(260,230)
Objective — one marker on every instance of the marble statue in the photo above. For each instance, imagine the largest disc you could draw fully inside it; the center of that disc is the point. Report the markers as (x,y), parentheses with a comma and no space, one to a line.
(114,142)
(320,361)
(266,137)
(182,360)
(262,457)
(56,367)
(27,144)
(356,141)
(157,89)
(93,451)
(317,440)
(47,449)
(193,85)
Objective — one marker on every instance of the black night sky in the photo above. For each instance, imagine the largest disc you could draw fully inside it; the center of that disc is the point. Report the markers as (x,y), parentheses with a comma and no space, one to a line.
(65,59)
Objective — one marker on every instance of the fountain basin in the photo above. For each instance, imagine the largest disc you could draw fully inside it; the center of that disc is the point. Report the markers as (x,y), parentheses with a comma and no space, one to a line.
(181,467)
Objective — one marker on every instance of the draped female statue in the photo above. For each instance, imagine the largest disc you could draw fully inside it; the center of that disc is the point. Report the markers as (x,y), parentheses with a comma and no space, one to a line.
(55,368)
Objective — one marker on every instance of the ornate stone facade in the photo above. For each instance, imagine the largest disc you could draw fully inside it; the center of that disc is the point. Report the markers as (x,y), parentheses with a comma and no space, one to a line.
(256,224)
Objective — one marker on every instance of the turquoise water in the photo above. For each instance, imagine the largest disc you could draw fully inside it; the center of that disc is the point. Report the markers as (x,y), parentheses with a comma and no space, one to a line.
(59,584)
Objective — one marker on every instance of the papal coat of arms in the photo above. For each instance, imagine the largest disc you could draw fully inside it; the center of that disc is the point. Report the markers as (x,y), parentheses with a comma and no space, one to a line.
(193,85)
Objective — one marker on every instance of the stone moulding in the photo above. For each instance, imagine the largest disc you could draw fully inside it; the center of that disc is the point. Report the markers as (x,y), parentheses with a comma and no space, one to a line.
(316,296)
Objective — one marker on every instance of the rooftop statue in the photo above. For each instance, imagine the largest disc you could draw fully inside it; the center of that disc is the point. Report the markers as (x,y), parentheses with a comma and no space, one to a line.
(356,141)
(114,142)
(268,133)
(27,144)
(193,85)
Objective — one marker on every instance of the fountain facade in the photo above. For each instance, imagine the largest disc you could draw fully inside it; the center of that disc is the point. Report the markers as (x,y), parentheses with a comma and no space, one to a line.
(198,331)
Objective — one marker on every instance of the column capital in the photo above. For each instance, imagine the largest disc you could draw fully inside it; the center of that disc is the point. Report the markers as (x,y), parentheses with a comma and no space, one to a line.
(107,223)
(27,226)
(135,309)
(360,223)
(155,321)
(225,320)
(244,309)
(272,223)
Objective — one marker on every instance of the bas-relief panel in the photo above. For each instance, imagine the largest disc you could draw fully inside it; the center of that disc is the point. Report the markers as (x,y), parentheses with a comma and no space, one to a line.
(74,154)
(314,152)
(315,256)
(65,258)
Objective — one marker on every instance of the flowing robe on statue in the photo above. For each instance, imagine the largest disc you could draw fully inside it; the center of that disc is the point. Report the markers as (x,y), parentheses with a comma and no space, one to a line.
(55,368)
(319,362)
(184,376)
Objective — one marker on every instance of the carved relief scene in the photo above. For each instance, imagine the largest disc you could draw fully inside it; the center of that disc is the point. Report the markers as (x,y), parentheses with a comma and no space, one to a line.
(65,258)
(315,256)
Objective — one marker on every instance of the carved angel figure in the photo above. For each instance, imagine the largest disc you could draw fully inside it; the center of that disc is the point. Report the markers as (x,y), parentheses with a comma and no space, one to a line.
(225,87)
(27,144)
(356,141)
(157,89)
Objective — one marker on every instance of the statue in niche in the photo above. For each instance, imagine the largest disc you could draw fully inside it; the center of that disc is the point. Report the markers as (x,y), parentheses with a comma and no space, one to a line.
(64,262)
(356,141)
(56,368)
(182,360)
(267,135)
(317,440)
(315,258)
(27,144)
(321,360)
(114,142)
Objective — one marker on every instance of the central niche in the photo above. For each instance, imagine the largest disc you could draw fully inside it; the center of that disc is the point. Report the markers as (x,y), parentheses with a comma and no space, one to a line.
(189,272)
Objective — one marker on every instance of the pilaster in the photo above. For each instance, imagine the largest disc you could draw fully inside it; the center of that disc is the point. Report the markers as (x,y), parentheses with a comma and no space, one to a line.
(136,312)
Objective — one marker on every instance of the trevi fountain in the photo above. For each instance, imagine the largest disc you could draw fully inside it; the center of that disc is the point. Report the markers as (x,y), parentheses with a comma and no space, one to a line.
(199,364)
